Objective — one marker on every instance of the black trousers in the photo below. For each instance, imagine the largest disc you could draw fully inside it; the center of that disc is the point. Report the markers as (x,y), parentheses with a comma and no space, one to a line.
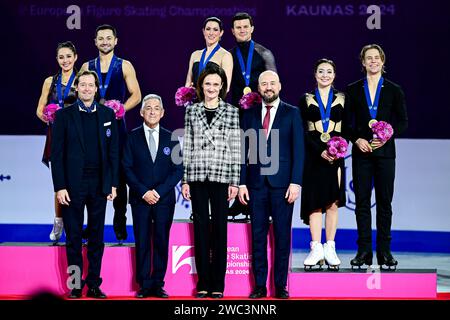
(378,172)
(121,201)
(210,236)
(151,224)
(265,202)
(94,200)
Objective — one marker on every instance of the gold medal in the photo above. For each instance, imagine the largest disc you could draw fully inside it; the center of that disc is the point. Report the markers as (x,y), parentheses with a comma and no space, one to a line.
(247,90)
(372,122)
(325,137)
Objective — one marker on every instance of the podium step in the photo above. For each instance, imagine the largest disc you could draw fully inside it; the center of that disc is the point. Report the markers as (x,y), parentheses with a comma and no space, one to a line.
(372,282)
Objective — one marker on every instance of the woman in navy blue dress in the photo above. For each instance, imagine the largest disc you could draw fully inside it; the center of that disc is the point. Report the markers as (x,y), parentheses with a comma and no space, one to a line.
(58,89)
(213,54)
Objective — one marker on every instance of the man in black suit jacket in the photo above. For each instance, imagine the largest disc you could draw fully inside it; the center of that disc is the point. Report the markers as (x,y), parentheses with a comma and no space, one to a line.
(85,161)
(373,162)
(152,175)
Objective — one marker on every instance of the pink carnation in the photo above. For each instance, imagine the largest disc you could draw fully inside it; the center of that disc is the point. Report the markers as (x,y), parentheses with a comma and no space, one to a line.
(185,96)
(49,112)
(117,107)
(249,100)
(382,130)
(337,147)
(332,150)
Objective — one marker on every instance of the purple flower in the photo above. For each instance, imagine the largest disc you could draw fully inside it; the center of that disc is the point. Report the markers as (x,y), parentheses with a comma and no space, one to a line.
(382,130)
(117,107)
(185,96)
(337,147)
(249,100)
(49,112)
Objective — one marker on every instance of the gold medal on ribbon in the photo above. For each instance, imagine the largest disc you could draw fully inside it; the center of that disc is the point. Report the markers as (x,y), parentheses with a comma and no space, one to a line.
(247,90)
(372,122)
(325,137)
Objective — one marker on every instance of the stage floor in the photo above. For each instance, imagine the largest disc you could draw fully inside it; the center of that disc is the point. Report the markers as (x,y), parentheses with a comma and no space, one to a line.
(407,260)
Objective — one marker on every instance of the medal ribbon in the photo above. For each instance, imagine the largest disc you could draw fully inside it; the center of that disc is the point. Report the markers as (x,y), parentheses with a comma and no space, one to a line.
(62,97)
(104,87)
(325,113)
(202,64)
(373,107)
(246,70)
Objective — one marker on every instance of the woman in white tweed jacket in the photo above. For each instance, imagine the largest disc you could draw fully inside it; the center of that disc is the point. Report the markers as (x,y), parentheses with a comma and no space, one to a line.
(211,159)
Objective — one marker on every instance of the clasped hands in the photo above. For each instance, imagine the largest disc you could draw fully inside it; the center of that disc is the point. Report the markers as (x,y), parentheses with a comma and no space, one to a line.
(292,193)
(151,197)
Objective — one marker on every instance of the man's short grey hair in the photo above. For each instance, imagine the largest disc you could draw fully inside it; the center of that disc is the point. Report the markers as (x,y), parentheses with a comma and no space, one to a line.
(152,96)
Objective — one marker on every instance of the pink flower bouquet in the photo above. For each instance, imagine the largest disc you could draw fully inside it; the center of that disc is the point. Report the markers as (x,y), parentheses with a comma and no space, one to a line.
(382,130)
(49,112)
(117,107)
(249,100)
(337,147)
(185,96)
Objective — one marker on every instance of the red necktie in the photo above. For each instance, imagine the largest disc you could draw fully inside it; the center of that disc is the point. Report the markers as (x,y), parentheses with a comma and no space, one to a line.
(266,121)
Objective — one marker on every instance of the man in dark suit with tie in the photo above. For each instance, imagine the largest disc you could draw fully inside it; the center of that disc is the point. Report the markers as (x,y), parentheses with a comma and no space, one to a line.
(270,179)
(152,173)
(85,161)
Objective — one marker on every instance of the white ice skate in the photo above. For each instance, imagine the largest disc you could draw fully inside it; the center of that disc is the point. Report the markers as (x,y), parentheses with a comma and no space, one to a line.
(58,228)
(315,257)
(331,258)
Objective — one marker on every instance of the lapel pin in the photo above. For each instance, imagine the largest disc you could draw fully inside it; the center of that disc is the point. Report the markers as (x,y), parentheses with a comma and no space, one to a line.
(166,151)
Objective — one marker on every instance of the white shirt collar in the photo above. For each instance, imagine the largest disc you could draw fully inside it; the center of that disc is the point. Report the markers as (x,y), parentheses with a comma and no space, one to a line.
(147,128)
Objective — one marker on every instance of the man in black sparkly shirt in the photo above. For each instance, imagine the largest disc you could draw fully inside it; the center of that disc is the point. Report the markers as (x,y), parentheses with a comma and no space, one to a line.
(246,71)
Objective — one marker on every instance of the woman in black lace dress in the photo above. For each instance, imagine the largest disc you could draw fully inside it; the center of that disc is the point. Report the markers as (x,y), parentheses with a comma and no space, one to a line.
(323,189)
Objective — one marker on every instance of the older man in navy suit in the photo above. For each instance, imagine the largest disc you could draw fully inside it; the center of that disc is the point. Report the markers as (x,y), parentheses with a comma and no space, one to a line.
(152,174)
(85,162)
(270,179)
